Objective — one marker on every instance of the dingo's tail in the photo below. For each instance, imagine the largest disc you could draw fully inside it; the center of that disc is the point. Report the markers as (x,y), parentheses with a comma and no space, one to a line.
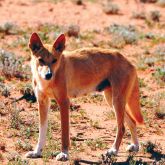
(133,104)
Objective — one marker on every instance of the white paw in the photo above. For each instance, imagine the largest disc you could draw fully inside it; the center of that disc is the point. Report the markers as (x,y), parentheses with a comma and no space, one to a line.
(33,154)
(111,151)
(132,148)
(62,156)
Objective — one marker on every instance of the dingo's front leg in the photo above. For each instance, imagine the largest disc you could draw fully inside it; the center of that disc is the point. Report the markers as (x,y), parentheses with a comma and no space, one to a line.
(64,111)
(43,106)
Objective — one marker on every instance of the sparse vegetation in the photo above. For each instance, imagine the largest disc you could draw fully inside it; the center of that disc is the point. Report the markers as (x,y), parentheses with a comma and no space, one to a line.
(96,98)
(142,83)
(21,41)
(9,28)
(96,144)
(108,159)
(128,34)
(141,65)
(22,146)
(3,110)
(160,51)
(110,115)
(48,32)
(77,146)
(15,159)
(95,124)
(131,160)
(4,90)
(88,35)
(117,41)
(15,119)
(52,148)
(1,156)
(10,66)
(159,75)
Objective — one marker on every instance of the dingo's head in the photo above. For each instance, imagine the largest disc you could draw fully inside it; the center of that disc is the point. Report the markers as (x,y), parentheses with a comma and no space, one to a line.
(46,56)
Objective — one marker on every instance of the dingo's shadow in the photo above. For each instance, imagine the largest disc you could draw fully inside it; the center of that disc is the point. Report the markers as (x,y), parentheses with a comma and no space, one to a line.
(155,157)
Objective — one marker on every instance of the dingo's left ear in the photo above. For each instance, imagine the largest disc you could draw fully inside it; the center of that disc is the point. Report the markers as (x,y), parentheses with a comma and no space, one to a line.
(59,44)
(35,42)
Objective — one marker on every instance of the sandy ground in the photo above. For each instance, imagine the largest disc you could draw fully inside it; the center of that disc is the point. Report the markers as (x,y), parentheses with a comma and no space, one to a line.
(97,123)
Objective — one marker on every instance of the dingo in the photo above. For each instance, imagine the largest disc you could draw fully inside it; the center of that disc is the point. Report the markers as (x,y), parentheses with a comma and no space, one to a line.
(61,75)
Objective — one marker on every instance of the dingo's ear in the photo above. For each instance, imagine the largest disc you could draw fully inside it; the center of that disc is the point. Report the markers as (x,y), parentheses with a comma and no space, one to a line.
(35,42)
(59,44)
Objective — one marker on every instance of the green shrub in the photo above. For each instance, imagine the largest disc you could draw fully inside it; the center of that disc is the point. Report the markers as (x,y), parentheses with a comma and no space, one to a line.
(96,144)
(159,74)
(15,119)
(128,33)
(160,51)
(4,90)
(11,66)
(15,159)
(9,28)
(23,146)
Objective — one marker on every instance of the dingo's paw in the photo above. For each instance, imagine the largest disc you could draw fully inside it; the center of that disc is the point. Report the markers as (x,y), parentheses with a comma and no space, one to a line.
(62,156)
(132,148)
(33,154)
(111,151)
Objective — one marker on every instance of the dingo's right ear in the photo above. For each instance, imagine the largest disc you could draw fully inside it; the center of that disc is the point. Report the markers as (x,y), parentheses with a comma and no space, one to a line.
(59,44)
(35,42)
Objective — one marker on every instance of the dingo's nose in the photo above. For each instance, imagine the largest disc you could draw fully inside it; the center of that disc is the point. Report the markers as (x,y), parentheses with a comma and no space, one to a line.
(48,76)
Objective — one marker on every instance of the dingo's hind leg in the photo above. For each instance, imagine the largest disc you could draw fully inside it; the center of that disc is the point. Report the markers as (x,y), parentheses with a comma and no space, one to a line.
(134,146)
(118,102)
(119,113)
(133,114)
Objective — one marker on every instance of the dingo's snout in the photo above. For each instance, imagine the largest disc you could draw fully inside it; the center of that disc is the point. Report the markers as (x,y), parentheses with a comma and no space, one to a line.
(48,76)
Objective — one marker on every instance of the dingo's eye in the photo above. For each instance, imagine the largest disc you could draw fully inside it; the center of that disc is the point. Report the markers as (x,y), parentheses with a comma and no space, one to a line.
(54,61)
(41,61)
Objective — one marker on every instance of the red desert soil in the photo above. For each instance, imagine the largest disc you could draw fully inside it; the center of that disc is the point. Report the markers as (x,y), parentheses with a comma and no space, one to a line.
(92,120)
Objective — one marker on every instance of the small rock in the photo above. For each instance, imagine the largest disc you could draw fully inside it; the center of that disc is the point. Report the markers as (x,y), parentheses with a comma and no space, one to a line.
(73,30)
(138,15)
(78,2)
(155,15)
(2,147)
(111,8)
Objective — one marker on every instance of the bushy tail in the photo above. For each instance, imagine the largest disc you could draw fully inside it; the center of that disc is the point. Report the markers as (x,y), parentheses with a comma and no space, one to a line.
(133,104)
